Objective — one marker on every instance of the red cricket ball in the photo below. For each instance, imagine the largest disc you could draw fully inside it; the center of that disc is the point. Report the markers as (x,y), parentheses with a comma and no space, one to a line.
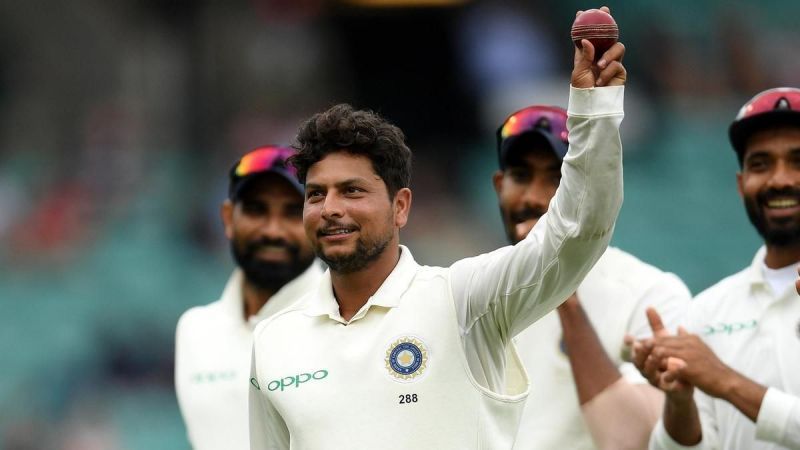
(598,27)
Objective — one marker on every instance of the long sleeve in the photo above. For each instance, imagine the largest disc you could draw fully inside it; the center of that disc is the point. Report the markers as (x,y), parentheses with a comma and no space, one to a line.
(521,283)
(499,294)
(779,419)
(268,431)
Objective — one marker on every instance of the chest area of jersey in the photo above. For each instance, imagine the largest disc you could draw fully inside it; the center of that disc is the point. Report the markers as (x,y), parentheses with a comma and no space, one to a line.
(401,354)
(215,358)
(762,343)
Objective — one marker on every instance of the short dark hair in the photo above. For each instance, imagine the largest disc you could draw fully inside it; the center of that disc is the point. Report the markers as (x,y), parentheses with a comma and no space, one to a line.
(359,132)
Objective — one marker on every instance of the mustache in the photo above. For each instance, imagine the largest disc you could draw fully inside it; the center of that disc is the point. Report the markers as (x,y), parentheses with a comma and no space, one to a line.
(527,213)
(254,246)
(771,194)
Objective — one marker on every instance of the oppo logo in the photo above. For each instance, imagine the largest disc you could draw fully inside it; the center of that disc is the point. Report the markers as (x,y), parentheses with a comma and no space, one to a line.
(729,328)
(287,382)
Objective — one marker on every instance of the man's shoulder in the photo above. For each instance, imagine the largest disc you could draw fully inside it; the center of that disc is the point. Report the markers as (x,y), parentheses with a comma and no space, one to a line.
(287,318)
(723,289)
(621,267)
(199,315)
(429,272)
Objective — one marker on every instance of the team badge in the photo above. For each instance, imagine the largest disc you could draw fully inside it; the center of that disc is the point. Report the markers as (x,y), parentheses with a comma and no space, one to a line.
(406,358)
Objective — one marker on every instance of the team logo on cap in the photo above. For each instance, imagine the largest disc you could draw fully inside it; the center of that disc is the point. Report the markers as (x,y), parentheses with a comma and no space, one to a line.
(406,358)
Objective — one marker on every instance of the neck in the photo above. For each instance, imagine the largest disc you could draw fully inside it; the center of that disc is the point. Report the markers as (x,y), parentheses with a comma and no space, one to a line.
(254,298)
(782,256)
(353,290)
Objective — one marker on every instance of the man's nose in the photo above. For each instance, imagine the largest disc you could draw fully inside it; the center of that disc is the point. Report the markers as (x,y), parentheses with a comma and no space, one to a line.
(537,194)
(784,176)
(273,227)
(332,207)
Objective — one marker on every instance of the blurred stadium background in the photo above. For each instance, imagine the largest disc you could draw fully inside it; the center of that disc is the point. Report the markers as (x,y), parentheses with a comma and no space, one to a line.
(119,119)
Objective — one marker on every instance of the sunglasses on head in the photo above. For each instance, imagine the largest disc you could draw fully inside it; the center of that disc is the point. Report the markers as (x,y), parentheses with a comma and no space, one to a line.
(778,99)
(547,118)
(262,159)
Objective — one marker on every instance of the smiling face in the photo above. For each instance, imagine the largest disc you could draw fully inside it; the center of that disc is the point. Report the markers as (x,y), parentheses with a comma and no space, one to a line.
(348,216)
(265,229)
(525,188)
(770,184)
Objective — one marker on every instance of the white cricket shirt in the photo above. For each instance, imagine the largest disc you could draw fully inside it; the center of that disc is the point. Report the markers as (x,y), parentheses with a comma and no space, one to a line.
(427,362)
(614,295)
(755,331)
(212,362)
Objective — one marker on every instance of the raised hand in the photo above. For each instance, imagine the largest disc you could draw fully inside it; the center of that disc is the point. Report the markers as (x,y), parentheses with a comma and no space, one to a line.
(608,71)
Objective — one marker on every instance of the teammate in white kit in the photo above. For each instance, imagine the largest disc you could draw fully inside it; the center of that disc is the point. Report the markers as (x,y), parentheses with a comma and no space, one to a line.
(733,379)
(263,221)
(584,395)
(388,354)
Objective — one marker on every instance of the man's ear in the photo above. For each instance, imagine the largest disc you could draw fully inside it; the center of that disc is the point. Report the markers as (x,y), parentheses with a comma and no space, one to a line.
(497,180)
(226,213)
(739,184)
(402,207)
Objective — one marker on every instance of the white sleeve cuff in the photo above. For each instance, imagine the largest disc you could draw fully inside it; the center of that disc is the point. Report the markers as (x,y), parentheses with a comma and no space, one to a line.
(599,101)
(776,408)
(661,440)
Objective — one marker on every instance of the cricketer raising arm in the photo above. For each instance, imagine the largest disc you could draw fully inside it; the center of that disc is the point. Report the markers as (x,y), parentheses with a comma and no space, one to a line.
(587,395)
(388,354)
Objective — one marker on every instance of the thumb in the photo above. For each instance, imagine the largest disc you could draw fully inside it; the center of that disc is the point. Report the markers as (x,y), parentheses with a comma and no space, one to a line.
(584,55)
(682,331)
(655,323)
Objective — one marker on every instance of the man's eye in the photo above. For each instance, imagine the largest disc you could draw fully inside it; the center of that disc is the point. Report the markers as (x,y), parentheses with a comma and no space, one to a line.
(519,175)
(253,208)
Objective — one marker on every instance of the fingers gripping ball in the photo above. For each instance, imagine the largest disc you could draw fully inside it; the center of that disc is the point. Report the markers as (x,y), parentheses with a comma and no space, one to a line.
(598,27)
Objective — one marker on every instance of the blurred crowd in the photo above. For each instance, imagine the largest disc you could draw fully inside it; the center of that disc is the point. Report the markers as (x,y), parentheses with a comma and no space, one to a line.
(119,121)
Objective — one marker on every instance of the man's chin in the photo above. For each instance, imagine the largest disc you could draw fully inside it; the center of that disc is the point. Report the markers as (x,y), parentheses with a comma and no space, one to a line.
(275,259)
(338,250)
(788,236)
(522,229)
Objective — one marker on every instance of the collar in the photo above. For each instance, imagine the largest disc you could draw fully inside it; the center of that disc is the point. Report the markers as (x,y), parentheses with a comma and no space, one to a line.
(387,296)
(755,274)
(755,277)
(233,301)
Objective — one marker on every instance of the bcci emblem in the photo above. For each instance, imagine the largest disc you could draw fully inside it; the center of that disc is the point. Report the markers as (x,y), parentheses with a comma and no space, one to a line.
(406,358)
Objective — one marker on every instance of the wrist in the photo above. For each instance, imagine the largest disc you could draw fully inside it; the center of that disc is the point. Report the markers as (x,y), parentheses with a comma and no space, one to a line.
(680,399)
(730,384)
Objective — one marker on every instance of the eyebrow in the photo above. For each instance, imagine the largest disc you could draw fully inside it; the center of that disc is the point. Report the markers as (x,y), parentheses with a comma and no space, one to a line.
(766,154)
(552,167)
(756,154)
(339,184)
